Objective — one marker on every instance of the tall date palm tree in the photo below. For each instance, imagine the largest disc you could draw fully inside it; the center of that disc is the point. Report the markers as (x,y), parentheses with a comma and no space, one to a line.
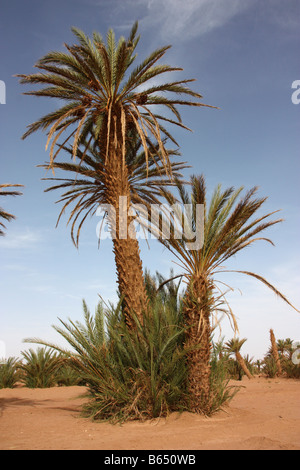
(104,98)
(85,192)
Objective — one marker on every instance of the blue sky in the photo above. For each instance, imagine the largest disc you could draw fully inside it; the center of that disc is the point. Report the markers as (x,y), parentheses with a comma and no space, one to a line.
(245,57)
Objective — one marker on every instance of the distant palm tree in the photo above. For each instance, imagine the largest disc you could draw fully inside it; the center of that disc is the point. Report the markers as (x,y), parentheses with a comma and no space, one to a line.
(281,346)
(289,347)
(85,191)
(4,192)
(234,346)
(228,228)
(285,347)
(258,364)
(103,100)
(275,352)
(219,348)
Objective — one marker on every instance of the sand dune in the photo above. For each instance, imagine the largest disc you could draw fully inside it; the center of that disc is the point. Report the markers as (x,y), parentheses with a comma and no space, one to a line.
(264,415)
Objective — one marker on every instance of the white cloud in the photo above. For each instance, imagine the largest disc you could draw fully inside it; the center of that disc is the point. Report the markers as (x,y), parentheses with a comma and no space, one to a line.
(25,239)
(15,267)
(190,18)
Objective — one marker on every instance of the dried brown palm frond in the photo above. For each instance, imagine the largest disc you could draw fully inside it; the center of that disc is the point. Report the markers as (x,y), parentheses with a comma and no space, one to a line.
(5,191)
(86,189)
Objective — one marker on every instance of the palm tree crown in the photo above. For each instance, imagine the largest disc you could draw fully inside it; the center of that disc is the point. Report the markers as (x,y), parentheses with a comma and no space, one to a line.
(102,101)
(229,226)
(235,345)
(86,185)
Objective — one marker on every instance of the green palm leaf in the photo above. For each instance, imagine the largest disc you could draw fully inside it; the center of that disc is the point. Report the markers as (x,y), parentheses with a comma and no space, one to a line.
(91,78)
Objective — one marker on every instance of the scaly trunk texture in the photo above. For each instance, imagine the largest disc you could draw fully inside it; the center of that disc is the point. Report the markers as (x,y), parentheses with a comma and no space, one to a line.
(125,245)
(242,363)
(197,309)
(275,352)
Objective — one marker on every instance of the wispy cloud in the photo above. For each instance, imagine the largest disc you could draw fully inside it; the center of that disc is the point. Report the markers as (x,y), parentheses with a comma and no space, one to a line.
(18,269)
(26,239)
(184,20)
(40,288)
(15,267)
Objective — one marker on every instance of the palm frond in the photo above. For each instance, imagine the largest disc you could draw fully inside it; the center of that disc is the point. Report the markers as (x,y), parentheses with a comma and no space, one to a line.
(91,78)
(229,227)
(5,191)
(268,284)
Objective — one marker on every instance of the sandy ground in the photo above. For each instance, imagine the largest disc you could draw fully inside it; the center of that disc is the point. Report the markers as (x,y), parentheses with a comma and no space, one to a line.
(264,415)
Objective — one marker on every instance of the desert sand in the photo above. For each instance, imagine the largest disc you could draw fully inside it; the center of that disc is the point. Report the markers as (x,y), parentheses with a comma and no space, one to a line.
(264,415)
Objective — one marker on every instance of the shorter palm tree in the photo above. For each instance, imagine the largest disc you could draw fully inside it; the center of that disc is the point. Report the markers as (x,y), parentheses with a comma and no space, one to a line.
(4,192)
(234,347)
(229,225)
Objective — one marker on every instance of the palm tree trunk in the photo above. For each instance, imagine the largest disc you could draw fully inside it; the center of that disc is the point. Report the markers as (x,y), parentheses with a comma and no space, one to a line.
(125,246)
(275,352)
(130,278)
(242,364)
(197,313)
